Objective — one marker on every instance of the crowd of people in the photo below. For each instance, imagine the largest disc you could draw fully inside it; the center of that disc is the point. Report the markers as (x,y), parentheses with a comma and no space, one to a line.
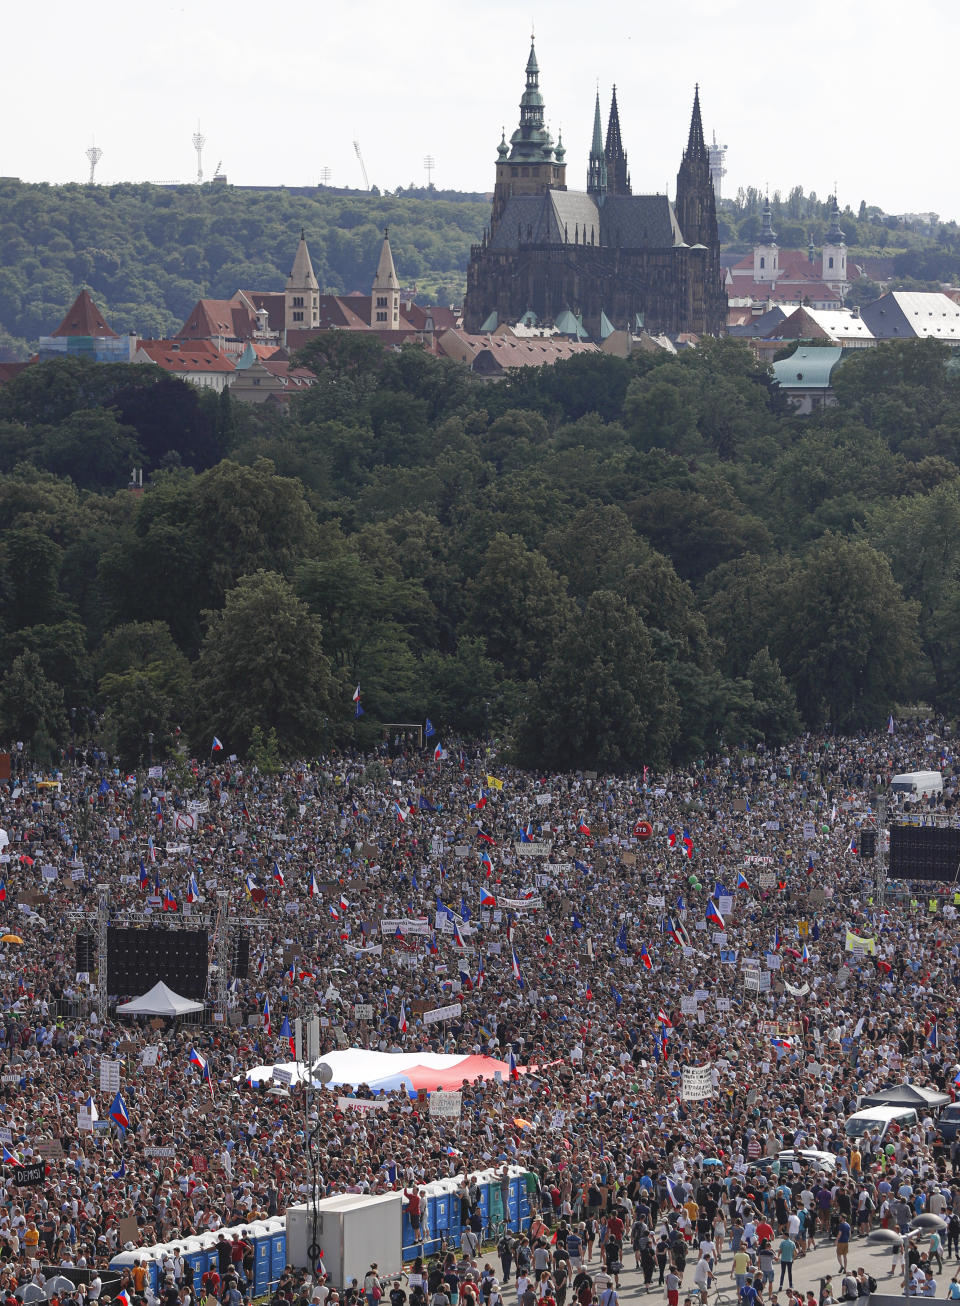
(608,932)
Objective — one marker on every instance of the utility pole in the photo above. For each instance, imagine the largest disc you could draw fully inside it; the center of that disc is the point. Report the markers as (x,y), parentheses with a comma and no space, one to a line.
(103,921)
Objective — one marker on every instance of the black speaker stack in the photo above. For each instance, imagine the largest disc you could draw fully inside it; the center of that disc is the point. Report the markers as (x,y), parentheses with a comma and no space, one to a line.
(86,952)
(867,846)
(925,852)
(138,959)
(240,956)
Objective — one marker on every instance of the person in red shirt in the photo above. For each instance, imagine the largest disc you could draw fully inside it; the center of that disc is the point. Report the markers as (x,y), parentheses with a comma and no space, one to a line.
(764,1230)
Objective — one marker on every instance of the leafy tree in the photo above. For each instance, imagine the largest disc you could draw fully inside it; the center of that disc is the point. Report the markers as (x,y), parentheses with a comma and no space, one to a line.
(518,604)
(604,701)
(62,652)
(31,707)
(262,664)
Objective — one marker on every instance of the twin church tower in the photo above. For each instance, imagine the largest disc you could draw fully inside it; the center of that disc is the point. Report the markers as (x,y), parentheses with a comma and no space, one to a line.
(613,259)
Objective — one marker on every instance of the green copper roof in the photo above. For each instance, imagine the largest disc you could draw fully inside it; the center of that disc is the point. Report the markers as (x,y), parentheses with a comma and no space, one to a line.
(606,326)
(490,324)
(531,142)
(569,324)
(596,145)
(807,369)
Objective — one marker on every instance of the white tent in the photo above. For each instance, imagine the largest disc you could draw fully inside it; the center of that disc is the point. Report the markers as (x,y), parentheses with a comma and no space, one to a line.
(160,1001)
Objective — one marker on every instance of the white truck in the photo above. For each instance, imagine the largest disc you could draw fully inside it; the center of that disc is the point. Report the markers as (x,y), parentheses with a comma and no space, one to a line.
(918,784)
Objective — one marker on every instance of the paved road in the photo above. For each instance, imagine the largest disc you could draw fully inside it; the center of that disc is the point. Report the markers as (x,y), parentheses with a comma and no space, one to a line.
(807,1273)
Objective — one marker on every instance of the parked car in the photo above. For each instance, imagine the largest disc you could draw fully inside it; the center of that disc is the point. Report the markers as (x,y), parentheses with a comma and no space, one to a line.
(806,1156)
(948,1122)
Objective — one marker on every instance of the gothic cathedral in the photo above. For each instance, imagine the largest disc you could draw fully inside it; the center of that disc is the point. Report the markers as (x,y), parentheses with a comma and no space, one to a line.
(612,259)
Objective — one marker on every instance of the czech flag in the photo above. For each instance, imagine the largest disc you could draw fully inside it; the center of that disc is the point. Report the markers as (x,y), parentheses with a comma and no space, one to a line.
(479,980)
(804,954)
(488,899)
(402,1022)
(266,1015)
(742,882)
(548,937)
(118,1113)
(312,885)
(688,843)
(169,901)
(216,747)
(278,874)
(144,879)
(512,1063)
(333,911)
(480,804)
(123,1297)
(10,1158)
(343,903)
(193,889)
(399,812)
(197,1060)
(645,958)
(776,938)
(671,837)
(438,753)
(583,827)
(933,1038)
(458,937)
(785,1043)
(486,861)
(664,1019)
(714,915)
(484,837)
(517,974)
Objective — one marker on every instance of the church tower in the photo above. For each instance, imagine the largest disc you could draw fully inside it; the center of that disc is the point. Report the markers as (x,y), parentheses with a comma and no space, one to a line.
(597,167)
(766,255)
(301,296)
(529,165)
(385,295)
(696,206)
(834,270)
(618,178)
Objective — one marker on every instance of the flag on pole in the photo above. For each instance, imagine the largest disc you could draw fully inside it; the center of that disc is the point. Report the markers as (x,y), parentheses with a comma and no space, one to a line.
(742,882)
(216,746)
(890,727)
(402,1021)
(428,730)
(278,875)
(512,1064)
(119,1114)
(548,937)
(645,958)
(714,915)
(517,974)
(438,752)
(664,1019)
(266,1014)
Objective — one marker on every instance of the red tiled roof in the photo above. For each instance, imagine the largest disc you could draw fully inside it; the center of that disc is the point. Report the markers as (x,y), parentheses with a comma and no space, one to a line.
(272,300)
(416,314)
(83,318)
(198,356)
(9,370)
(218,317)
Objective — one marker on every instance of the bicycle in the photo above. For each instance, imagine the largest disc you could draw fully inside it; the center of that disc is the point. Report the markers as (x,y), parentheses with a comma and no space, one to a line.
(494,1231)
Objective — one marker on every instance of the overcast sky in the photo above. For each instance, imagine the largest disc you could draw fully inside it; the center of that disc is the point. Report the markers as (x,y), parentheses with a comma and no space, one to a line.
(856,93)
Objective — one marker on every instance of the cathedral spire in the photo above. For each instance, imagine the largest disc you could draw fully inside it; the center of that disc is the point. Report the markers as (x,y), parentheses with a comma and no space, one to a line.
(597,167)
(836,235)
(696,145)
(531,142)
(617,176)
(767,234)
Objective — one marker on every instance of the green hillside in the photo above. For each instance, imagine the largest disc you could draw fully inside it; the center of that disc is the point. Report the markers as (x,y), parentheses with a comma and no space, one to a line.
(608,562)
(149,252)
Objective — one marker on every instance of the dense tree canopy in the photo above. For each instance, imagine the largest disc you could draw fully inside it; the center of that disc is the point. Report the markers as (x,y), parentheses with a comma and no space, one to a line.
(606,563)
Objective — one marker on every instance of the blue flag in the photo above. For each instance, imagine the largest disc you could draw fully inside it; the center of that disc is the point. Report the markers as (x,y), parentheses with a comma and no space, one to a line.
(428,729)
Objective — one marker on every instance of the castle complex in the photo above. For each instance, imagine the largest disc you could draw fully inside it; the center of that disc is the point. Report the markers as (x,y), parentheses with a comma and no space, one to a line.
(607,257)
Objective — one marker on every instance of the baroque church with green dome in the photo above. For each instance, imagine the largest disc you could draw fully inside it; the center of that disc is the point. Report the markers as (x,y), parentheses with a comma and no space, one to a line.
(602,259)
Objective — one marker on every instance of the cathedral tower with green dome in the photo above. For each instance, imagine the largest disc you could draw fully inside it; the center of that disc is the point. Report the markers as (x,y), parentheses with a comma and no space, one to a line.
(531,164)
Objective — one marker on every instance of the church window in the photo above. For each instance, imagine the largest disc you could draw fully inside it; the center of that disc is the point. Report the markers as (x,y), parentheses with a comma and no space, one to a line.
(830,264)
(763,262)
(298,301)
(298,317)
(381,317)
(381,301)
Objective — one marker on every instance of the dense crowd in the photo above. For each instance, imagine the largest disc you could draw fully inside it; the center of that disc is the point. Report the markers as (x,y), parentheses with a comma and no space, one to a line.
(606,965)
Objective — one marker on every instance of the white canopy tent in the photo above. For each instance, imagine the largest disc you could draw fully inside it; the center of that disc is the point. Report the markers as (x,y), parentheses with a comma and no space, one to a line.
(160,1001)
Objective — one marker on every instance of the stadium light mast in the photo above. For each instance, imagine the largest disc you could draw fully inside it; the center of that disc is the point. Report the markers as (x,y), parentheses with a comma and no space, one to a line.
(94,155)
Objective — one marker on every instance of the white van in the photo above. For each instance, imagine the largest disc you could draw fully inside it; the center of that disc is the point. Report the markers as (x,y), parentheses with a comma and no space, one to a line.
(878,1119)
(918,784)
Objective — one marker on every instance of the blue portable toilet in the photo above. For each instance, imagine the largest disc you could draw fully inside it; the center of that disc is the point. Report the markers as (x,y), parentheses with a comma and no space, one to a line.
(262,1263)
(196,1257)
(276,1227)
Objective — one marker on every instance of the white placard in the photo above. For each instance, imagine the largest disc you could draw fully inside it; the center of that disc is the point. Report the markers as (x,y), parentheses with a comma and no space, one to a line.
(442,1013)
(109,1075)
(697,1083)
(164,1153)
(445,1106)
(363,1011)
(656,900)
(809,830)
(544,800)
(723,1004)
(391,926)
(725,903)
(281,1076)
(363,1103)
(532,849)
(688,1005)
(767,880)
(148,1057)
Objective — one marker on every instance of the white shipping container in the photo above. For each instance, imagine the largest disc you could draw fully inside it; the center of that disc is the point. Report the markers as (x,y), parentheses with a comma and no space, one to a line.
(352,1231)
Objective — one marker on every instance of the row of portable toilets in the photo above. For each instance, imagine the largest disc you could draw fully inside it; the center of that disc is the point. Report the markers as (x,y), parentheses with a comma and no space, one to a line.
(267,1237)
(442,1211)
(441,1225)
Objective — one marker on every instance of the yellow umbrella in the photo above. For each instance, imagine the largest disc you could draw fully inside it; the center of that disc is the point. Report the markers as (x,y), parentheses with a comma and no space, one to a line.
(11,938)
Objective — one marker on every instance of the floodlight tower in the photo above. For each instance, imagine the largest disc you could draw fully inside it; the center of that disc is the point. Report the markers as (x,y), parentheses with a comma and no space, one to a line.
(94,155)
(429,164)
(199,141)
